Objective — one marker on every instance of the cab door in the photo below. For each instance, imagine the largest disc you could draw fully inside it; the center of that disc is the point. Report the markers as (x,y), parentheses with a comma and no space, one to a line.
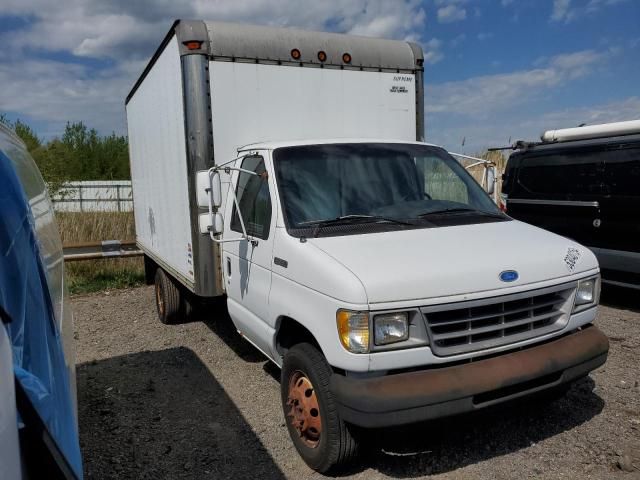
(247,262)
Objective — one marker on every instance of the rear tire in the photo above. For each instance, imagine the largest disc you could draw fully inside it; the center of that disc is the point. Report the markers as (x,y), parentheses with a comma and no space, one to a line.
(168,298)
(326,443)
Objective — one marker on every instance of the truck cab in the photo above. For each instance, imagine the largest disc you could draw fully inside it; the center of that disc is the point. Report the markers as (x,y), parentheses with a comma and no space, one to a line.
(351,265)
(285,172)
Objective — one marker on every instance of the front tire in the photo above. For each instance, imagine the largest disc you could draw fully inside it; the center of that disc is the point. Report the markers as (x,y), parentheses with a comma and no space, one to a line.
(320,436)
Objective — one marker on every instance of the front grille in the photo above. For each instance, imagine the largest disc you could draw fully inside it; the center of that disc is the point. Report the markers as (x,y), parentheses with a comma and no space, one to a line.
(477,325)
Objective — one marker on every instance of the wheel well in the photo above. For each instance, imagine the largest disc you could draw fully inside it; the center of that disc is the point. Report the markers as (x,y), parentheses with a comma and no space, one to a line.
(150,268)
(290,333)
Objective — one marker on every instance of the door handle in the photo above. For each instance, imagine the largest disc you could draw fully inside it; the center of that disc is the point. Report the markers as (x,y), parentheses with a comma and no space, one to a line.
(228,267)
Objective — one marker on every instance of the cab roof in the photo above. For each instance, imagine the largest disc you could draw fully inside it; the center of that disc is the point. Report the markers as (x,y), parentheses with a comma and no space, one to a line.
(272,145)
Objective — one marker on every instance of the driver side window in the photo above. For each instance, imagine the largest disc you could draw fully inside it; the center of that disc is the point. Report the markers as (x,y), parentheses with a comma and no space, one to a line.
(254,199)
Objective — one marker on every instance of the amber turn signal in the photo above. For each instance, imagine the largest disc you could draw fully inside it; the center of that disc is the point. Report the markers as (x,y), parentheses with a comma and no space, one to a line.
(192,44)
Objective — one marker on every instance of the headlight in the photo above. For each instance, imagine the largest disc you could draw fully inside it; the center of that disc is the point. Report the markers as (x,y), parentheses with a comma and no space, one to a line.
(353,330)
(390,328)
(587,293)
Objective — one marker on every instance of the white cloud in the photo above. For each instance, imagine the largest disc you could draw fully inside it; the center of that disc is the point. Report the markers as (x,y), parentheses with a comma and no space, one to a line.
(492,93)
(121,35)
(458,39)
(616,111)
(57,92)
(432,51)
(129,29)
(451,13)
(488,110)
(484,36)
(595,5)
(561,11)
(506,128)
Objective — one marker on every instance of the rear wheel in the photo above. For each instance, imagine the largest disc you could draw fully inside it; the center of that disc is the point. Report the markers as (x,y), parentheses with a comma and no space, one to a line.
(320,436)
(168,298)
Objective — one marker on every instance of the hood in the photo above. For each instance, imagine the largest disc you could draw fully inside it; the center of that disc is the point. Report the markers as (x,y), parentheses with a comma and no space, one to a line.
(447,261)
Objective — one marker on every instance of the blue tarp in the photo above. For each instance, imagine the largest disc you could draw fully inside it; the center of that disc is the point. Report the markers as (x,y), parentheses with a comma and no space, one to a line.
(38,356)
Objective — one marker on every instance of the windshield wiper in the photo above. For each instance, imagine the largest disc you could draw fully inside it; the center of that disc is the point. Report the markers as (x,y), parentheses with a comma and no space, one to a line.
(351,219)
(460,210)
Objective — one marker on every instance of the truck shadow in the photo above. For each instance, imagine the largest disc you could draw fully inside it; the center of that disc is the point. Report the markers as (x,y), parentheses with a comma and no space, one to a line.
(163,415)
(449,444)
(620,297)
(221,324)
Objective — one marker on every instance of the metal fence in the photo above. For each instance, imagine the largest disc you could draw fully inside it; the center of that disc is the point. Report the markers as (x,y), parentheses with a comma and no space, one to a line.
(94,196)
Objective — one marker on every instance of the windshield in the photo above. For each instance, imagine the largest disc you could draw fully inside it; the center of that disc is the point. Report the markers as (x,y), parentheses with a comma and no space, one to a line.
(400,184)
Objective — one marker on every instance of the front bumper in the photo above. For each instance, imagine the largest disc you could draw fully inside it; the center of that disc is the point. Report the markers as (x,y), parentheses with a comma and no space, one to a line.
(403,398)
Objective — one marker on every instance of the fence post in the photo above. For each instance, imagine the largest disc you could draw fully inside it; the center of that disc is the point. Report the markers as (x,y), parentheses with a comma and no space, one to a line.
(80,196)
(118,196)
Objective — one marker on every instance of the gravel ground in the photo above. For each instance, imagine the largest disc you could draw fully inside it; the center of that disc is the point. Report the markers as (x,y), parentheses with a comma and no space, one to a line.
(197,401)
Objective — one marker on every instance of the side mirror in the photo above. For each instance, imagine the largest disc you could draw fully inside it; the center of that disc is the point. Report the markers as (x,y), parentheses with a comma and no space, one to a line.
(491,180)
(216,190)
(211,225)
(208,186)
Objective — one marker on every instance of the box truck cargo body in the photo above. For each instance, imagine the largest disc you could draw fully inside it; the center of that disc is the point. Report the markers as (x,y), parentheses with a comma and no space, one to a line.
(286,172)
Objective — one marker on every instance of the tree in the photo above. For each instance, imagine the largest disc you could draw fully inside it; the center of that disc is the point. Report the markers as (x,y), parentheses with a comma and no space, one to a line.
(79,154)
(28,136)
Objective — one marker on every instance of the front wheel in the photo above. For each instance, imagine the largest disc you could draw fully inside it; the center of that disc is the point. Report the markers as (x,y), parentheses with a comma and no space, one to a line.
(320,436)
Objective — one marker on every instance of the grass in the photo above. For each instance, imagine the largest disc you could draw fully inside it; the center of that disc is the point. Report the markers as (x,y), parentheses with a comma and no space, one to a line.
(95,275)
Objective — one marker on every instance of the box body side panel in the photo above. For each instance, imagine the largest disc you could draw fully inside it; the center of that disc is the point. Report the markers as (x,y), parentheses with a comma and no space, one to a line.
(157,149)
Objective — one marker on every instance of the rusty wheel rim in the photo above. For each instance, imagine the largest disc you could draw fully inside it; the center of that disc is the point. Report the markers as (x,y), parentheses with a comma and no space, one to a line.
(159,301)
(304,412)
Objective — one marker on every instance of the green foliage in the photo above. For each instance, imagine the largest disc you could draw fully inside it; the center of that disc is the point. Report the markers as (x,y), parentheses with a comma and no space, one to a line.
(79,154)
(28,136)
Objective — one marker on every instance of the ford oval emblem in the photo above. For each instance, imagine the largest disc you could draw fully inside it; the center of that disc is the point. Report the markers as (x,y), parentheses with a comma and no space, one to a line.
(509,276)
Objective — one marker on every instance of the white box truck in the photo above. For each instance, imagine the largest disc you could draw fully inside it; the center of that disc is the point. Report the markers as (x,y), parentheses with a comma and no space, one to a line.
(285,171)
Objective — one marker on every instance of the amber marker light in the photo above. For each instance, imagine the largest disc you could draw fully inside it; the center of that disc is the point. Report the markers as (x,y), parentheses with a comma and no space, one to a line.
(192,44)
(295,54)
(346,58)
(353,330)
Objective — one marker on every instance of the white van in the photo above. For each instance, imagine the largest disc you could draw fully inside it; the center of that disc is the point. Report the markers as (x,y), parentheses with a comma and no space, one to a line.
(285,171)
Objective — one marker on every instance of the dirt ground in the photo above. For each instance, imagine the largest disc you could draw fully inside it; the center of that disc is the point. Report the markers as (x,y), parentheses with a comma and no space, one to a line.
(197,401)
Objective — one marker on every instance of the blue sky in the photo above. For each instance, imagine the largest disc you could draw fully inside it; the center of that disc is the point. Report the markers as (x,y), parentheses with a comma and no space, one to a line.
(495,70)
